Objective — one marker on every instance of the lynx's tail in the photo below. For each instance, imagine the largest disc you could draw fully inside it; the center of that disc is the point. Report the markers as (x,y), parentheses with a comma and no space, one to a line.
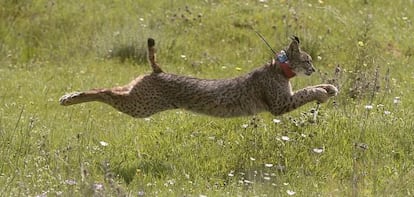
(151,56)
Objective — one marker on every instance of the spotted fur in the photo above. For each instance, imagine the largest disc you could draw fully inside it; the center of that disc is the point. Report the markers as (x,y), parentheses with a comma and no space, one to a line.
(264,89)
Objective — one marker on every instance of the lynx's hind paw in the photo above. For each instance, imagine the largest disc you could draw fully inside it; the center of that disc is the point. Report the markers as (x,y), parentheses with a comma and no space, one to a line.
(66,99)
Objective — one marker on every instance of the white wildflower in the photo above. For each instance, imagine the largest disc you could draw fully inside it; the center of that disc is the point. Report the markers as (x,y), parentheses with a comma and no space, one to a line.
(290,192)
(268,165)
(277,121)
(170,182)
(141,193)
(318,150)
(248,182)
(368,107)
(285,138)
(98,186)
(103,143)
(397,100)
(70,182)
(387,112)
(245,125)
(44,194)
(362,146)
(231,174)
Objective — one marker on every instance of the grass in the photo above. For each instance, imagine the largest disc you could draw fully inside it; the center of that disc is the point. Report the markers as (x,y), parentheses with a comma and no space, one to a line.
(49,48)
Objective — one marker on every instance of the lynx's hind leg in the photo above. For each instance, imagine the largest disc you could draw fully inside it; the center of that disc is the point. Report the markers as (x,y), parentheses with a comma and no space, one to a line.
(140,98)
(69,99)
(135,99)
(81,97)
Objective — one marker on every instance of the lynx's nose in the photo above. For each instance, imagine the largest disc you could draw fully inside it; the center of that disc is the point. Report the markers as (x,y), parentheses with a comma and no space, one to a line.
(310,70)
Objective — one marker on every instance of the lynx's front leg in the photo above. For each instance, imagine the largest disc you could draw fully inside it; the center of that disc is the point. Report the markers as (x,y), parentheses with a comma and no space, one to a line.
(320,93)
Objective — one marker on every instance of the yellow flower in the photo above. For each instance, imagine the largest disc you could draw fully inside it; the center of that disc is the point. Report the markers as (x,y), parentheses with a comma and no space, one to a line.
(361,44)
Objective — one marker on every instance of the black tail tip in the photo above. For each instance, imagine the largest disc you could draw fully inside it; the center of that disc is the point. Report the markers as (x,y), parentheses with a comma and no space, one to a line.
(151,42)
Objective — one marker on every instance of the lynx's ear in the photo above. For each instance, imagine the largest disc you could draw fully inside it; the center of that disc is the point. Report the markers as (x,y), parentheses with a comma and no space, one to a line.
(293,50)
(295,38)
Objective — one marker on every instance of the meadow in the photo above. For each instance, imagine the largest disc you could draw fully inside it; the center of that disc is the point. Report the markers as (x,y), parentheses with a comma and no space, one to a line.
(360,143)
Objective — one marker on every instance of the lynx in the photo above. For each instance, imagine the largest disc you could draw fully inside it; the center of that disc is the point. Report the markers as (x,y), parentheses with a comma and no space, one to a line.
(264,89)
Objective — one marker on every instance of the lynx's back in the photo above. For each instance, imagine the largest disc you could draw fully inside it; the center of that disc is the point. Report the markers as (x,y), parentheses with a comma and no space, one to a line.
(216,97)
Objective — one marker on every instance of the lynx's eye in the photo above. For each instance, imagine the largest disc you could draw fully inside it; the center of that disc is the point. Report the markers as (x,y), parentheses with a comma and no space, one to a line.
(307,61)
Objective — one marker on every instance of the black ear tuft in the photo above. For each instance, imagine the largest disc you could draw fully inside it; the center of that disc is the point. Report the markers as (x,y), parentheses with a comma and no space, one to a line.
(295,38)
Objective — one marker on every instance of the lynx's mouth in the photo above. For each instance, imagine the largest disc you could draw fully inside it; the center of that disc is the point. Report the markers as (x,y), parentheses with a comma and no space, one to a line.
(308,73)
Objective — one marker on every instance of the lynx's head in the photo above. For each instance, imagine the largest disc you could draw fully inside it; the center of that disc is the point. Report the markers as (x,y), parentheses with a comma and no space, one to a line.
(299,61)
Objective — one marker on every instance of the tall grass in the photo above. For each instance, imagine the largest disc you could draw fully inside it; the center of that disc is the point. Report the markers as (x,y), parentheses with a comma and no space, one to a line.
(358,144)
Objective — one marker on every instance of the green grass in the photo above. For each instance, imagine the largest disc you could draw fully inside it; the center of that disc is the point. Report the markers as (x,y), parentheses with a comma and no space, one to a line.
(49,48)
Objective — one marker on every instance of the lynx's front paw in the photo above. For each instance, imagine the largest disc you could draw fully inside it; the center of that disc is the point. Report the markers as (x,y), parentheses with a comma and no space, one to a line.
(330,89)
(327,91)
